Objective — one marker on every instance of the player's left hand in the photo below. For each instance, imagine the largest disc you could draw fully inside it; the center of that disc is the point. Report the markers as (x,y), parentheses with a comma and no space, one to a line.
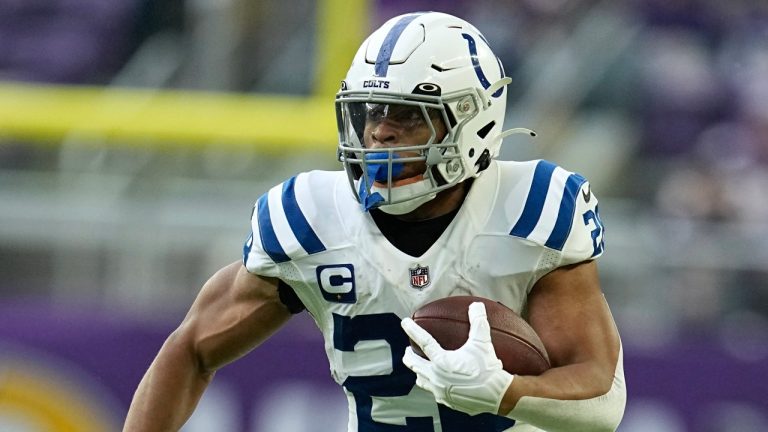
(470,379)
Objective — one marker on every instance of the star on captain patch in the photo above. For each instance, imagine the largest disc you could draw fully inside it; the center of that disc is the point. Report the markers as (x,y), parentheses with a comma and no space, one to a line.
(419,277)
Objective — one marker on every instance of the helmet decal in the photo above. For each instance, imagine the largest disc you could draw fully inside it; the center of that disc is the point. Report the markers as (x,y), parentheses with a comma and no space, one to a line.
(476,63)
(385,52)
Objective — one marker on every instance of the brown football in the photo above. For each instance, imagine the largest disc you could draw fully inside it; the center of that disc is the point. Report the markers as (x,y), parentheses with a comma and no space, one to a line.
(516,343)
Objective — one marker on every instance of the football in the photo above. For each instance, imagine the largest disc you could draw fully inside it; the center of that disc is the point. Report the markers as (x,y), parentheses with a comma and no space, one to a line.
(516,343)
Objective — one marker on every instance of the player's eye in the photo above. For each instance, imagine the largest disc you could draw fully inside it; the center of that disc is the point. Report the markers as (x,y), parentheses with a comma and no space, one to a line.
(407,117)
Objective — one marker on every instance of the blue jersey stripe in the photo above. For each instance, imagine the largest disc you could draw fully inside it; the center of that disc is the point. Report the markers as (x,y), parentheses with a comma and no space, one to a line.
(299,225)
(269,241)
(564,220)
(388,46)
(534,204)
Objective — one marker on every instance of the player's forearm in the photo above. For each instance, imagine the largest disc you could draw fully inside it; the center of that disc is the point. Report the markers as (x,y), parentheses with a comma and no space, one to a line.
(169,391)
(570,399)
(579,381)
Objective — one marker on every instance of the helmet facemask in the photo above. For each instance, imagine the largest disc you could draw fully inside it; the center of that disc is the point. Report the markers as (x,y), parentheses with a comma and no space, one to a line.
(400,172)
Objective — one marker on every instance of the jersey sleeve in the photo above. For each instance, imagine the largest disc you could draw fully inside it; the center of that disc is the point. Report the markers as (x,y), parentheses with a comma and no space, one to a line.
(281,228)
(560,213)
(585,239)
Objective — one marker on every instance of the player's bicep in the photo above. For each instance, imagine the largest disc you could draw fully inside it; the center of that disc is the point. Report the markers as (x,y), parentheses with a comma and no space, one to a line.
(568,310)
(233,313)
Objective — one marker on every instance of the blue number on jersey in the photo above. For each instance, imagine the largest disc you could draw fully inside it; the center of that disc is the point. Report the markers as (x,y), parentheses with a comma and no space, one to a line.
(348,331)
(597,233)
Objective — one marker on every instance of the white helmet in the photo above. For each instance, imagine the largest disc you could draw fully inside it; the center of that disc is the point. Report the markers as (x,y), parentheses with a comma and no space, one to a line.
(441,68)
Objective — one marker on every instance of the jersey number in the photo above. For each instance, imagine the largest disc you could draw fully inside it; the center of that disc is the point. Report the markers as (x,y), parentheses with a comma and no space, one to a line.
(348,331)
(597,234)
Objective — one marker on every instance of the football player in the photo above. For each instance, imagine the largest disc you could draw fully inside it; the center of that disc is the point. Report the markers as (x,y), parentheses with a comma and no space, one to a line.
(422,211)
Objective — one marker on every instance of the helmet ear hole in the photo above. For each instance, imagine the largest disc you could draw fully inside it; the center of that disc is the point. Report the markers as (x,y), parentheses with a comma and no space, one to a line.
(483,161)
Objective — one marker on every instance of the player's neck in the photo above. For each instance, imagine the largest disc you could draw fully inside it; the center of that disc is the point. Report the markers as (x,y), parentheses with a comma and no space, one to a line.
(444,203)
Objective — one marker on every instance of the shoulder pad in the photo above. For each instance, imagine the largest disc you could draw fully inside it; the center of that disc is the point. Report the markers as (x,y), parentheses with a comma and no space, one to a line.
(287,220)
(549,216)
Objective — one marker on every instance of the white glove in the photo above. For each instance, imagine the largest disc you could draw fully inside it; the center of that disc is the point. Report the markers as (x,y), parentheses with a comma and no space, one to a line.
(469,379)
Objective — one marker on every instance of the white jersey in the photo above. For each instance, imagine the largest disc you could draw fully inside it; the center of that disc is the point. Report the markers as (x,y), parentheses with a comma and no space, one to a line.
(519,221)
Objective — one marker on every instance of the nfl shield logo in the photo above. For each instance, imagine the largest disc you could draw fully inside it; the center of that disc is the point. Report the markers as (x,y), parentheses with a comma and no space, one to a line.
(419,277)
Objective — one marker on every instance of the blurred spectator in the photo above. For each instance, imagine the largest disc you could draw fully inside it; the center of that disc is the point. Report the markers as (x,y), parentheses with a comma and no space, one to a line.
(65,41)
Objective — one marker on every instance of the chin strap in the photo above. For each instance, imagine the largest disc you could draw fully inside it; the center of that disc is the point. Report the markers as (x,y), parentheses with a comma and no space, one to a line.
(419,190)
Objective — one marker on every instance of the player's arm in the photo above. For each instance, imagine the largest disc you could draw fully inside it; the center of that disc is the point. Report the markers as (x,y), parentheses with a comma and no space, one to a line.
(582,391)
(234,312)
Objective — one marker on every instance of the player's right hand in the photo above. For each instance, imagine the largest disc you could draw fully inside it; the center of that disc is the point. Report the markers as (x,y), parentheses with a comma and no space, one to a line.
(470,379)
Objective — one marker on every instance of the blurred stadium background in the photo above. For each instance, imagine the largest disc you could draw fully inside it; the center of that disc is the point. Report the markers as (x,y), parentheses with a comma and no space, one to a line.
(135,136)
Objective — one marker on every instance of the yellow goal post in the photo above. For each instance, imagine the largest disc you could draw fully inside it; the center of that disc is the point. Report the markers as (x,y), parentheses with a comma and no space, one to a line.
(40,113)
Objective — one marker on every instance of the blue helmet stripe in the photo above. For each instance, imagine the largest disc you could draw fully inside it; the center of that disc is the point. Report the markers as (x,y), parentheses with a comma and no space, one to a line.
(534,204)
(564,220)
(388,46)
(269,241)
(476,64)
(298,223)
